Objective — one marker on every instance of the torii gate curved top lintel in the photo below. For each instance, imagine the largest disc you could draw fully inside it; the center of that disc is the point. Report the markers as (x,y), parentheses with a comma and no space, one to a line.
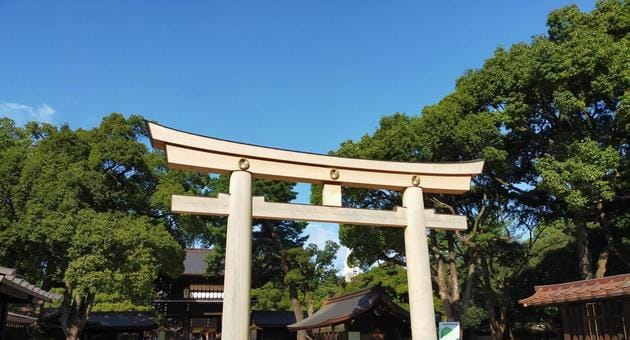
(244,161)
(206,154)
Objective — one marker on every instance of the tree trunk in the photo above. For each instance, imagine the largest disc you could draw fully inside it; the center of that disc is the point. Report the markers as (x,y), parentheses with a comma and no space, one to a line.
(454,292)
(468,285)
(297,310)
(464,300)
(74,313)
(446,278)
(443,289)
(585,265)
(471,258)
(439,277)
(311,307)
(497,316)
(602,260)
(499,320)
(72,333)
(497,328)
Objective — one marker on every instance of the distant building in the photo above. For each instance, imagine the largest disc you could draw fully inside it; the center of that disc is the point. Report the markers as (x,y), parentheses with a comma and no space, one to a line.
(15,290)
(366,314)
(191,305)
(590,309)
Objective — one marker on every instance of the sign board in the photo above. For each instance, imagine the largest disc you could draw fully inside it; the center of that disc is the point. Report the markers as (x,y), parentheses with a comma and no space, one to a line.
(449,331)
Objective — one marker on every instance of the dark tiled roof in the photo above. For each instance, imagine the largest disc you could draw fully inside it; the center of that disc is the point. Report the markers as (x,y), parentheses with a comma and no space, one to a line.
(346,307)
(195,261)
(272,318)
(585,290)
(9,278)
(121,321)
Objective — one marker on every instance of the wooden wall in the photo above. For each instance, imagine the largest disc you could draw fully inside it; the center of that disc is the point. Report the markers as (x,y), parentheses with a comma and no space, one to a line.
(597,320)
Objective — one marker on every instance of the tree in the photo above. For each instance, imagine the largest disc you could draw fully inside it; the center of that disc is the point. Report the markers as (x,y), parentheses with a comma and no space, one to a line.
(311,272)
(584,176)
(550,117)
(77,214)
(391,278)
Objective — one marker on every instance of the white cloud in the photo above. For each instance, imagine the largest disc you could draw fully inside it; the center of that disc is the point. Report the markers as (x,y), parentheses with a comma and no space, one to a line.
(319,233)
(22,114)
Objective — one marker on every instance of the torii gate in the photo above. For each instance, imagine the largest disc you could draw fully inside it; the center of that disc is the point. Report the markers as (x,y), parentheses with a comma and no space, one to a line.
(244,161)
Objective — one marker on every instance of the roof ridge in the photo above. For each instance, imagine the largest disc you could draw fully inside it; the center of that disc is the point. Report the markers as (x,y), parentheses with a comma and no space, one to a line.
(7,271)
(23,316)
(9,277)
(585,282)
(350,306)
(351,295)
(584,290)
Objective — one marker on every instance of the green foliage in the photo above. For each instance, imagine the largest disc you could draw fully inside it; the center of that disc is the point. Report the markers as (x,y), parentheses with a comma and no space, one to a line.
(78,212)
(311,266)
(271,296)
(391,278)
(474,317)
(120,255)
(584,175)
(310,271)
(117,302)
(549,237)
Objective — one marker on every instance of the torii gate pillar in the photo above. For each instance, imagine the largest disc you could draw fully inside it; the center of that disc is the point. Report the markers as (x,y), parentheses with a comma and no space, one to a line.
(238,258)
(418,267)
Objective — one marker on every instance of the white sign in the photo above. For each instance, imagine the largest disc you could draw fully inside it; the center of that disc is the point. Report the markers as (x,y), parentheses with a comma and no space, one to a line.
(449,331)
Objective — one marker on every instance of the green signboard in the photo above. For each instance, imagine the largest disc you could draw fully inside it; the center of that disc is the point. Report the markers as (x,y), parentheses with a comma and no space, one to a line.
(449,331)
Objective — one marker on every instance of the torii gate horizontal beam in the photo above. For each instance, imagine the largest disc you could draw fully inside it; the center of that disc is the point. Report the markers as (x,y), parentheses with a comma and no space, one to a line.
(286,211)
(205,154)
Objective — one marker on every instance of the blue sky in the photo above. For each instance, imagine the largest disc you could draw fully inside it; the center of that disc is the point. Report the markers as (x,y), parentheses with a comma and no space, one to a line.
(302,75)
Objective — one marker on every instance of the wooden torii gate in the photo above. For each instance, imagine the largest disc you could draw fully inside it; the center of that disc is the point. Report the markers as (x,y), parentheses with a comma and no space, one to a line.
(243,161)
